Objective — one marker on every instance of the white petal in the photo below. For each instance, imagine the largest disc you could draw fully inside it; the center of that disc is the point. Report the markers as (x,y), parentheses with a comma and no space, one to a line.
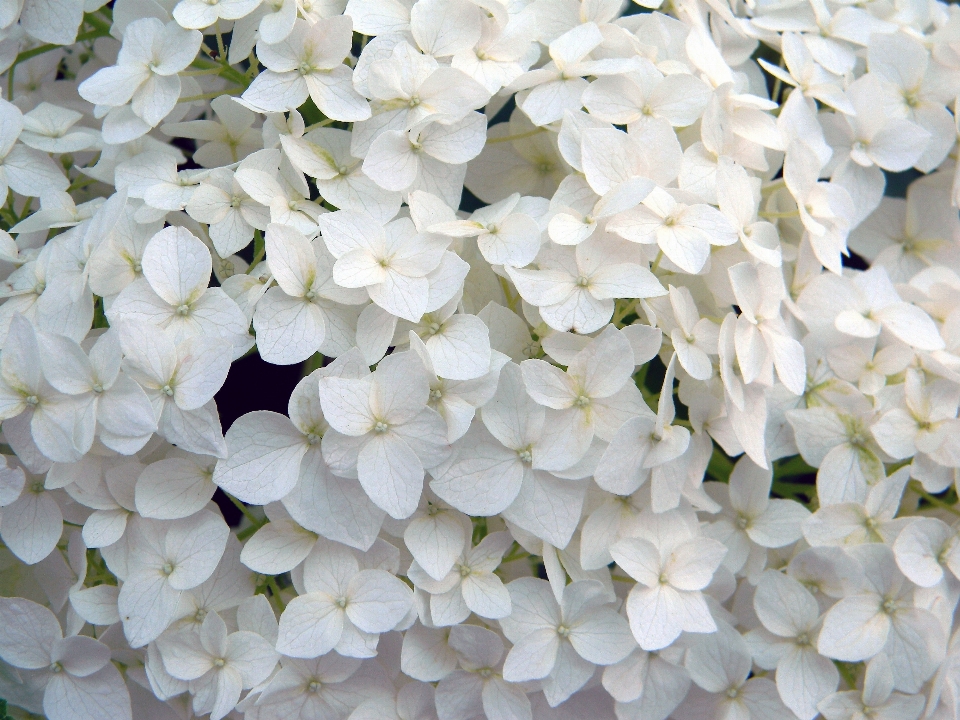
(29,632)
(804,678)
(377,601)
(277,547)
(435,541)
(100,695)
(854,629)
(264,461)
(173,488)
(391,474)
(533,656)
(310,626)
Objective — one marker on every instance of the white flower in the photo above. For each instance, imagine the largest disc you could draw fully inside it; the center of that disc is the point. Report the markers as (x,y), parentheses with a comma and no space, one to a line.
(173,293)
(108,397)
(879,617)
(804,73)
(309,61)
(218,664)
(644,95)
(479,685)
(641,445)
(595,396)
(165,559)
(671,564)
(876,697)
(561,641)
(329,684)
(409,88)
(304,313)
(503,464)
(695,338)
(56,420)
(391,261)
(719,664)
(682,228)
(923,548)
(838,443)
(197,14)
(788,642)
(761,337)
(180,380)
(23,169)
(175,487)
(470,585)
(80,682)
(52,128)
(559,85)
(751,519)
(574,287)
(851,523)
(430,158)
(344,608)
(146,71)
(324,154)
(385,433)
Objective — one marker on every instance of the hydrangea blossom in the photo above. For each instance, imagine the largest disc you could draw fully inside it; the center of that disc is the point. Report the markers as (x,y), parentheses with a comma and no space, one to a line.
(624,341)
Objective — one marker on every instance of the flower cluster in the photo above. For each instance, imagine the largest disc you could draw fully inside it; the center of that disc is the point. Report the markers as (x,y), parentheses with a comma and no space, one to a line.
(630,340)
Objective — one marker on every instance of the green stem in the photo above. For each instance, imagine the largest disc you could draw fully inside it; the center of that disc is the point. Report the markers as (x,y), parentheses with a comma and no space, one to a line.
(772,187)
(255,521)
(207,96)
(322,123)
(101,29)
(518,136)
(511,300)
(720,466)
(312,363)
(81,182)
(259,249)
(625,310)
(656,262)
(275,592)
(848,672)
(935,501)
(247,533)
